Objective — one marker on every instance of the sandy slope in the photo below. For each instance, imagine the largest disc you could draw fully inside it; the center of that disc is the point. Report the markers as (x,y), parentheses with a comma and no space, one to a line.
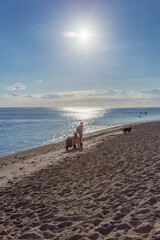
(110,189)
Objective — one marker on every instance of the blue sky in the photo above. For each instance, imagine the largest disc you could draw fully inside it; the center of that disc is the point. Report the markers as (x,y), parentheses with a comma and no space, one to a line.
(41,64)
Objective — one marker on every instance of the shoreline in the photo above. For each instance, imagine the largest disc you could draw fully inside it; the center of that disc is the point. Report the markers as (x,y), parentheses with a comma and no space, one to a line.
(61,141)
(58,142)
(15,165)
(109,189)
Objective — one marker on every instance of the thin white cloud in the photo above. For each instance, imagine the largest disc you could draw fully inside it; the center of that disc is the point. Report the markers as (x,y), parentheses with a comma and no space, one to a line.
(16,86)
(39,81)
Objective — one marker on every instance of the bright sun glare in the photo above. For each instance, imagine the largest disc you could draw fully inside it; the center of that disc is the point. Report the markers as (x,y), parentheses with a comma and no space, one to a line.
(84,35)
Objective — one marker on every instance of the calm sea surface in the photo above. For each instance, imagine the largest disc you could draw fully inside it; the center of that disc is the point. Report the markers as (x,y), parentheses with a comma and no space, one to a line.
(25,128)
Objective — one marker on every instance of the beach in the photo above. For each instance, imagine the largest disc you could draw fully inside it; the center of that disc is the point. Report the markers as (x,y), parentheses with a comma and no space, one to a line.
(109,189)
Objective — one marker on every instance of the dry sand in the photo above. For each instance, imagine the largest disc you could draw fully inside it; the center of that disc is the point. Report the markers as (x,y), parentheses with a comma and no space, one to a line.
(110,189)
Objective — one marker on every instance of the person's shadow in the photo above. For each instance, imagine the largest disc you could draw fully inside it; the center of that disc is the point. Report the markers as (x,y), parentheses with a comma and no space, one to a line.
(73,150)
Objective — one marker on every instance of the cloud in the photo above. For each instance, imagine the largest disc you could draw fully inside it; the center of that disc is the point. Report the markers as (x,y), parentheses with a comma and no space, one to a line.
(97,96)
(51,96)
(16,86)
(88,98)
(155,91)
(39,81)
(9,96)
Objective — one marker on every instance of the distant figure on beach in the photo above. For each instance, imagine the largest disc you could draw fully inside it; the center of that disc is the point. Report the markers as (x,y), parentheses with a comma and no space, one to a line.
(76,140)
(80,129)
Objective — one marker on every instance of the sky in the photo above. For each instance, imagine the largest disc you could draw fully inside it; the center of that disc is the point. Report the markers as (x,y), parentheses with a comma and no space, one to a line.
(80,53)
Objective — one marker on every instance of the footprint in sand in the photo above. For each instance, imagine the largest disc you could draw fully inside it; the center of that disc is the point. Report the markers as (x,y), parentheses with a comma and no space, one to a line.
(75,237)
(144,228)
(30,236)
(105,229)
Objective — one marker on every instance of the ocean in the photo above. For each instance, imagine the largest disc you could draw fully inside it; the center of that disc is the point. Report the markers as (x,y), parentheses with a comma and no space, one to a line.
(25,128)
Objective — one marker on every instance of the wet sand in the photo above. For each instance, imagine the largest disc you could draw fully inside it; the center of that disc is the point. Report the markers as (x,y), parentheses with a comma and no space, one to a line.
(109,189)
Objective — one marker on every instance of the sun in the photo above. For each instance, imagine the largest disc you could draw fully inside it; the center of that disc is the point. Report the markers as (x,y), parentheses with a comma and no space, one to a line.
(84,35)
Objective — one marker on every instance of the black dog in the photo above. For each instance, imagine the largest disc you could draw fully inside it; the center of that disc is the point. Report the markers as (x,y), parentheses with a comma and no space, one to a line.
(127,129)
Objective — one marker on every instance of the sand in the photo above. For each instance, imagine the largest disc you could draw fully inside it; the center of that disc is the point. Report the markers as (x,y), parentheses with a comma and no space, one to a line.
(109,189)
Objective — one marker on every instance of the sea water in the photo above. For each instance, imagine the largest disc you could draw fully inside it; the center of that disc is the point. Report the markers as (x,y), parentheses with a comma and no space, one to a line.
(25,128)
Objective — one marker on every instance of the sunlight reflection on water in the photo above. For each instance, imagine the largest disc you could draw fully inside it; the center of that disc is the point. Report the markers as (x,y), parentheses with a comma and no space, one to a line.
(86,115)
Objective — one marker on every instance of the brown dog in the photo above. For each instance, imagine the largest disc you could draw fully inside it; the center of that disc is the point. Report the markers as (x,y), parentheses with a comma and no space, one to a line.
(127,130)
